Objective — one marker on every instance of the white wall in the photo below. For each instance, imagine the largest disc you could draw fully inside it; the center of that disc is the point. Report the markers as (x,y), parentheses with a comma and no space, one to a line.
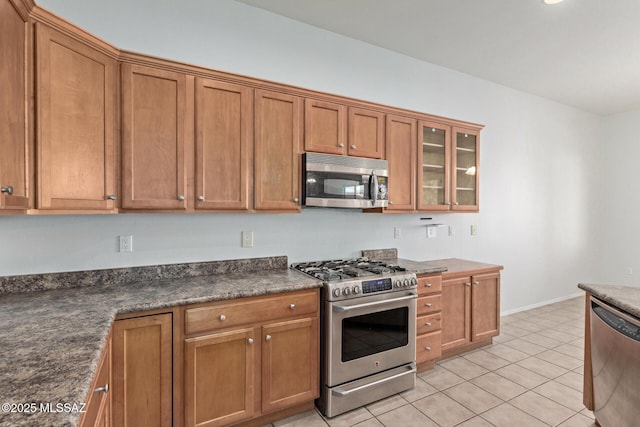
(539,159)
(620,204)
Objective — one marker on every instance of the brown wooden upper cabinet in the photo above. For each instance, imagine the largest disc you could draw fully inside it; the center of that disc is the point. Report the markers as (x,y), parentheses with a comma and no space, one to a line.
(224,132)
(15,87)
(333,128)
(401,155)
(156,120)
(278,123)
(448,168)
(76,133)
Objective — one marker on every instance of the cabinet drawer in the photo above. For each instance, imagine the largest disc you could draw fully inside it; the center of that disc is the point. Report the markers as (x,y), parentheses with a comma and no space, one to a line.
(430,304)
(238,312)
(430,323)
(429,284)
(428,347)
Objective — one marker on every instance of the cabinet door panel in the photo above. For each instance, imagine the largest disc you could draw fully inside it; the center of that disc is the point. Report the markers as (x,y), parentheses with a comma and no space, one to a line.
(485,306)
(14,135)
(224,128)
(289,376)
(366,133)
(456,312)
(401,155)
(325,127)
(142,371)
(76,123)
(434,167)
(465,175)
(219,378)
(154,116)
(277,151)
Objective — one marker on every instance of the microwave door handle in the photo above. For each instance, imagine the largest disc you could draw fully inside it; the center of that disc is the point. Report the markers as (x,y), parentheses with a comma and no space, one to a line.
(374,194)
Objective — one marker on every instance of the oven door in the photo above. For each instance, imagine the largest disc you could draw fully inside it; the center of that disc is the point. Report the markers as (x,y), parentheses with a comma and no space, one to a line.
(369,335)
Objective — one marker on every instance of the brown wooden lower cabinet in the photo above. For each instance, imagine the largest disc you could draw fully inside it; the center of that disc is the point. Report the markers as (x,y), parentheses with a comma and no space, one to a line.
(98,409)
(470,311)
(240,370)
(429,319)
(143,371)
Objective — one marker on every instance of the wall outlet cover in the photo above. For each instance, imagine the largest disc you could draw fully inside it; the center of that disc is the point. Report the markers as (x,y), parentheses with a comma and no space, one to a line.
(432,232)
(126,243)
(247,239)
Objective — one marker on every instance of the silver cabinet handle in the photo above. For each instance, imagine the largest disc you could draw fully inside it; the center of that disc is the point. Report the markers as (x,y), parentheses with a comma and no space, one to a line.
(468,284)
(295,199)
(292,306)
(268,338)
(476,283)
(222,317)
(201,198)
(111,197)
(428,304)
(427,348)
(250,341)
(428,285)
(428,324)
(103,389)
(8,189)
(181,197)
(390,202)
(341,145)
(353,147)
(456,203)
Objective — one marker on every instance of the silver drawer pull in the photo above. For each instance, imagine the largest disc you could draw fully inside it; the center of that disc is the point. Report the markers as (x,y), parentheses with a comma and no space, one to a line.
(8,189)
(103,389)
(222,317)
(181,197)
(428,323)
(268,338)
(428,285)
(292,306)
(476,283)
(250,341)
(468,284)
(428,304)
(111,197)
(427,348)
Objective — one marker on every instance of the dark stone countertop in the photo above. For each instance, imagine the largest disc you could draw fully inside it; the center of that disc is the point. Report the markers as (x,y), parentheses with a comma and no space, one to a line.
(625,298)
(51,340)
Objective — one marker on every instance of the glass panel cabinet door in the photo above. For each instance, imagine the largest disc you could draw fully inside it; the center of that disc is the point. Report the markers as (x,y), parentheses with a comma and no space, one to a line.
(433,167)
(465,171)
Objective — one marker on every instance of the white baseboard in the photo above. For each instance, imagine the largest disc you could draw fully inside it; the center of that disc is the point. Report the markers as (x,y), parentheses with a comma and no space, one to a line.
(540,304)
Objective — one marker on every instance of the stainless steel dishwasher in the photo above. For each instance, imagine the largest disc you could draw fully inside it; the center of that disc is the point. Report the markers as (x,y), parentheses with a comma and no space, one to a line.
(615,354)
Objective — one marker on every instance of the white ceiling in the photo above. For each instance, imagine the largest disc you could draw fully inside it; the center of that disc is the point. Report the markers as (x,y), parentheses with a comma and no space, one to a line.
(583,53)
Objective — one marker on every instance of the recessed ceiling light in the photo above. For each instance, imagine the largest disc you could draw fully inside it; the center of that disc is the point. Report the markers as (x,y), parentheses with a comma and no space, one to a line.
(552,1)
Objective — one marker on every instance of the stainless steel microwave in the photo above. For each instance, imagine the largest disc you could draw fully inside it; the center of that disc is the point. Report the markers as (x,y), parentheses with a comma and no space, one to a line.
(344,181)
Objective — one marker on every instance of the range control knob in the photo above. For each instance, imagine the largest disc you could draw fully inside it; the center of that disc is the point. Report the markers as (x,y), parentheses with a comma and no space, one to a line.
(356,290)
(405,282)
(336,292)
(414,281)
(346,291)
(398,283)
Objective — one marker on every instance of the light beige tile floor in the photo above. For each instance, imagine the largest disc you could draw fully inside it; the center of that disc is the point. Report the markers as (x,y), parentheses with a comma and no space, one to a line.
(530,376)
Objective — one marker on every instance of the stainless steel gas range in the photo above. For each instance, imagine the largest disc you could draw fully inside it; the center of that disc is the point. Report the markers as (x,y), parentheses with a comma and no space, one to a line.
(367,331)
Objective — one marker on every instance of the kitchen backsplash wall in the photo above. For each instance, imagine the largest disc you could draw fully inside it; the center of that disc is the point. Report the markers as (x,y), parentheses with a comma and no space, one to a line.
(539,161)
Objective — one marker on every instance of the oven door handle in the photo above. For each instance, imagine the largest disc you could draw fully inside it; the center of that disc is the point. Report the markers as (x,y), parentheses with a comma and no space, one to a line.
(411,368)
(344,308)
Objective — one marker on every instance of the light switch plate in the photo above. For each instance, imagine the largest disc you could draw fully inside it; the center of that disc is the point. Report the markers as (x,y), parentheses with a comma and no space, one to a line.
(432,232)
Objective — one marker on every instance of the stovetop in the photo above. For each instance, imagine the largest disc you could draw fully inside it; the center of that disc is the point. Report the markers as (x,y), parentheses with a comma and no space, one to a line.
(358,277)
(341,269)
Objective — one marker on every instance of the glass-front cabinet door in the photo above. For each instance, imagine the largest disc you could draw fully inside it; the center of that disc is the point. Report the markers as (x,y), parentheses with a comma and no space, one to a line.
(465,171)
(434,160)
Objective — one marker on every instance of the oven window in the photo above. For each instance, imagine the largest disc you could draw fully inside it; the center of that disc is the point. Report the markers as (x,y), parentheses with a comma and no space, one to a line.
(374,333)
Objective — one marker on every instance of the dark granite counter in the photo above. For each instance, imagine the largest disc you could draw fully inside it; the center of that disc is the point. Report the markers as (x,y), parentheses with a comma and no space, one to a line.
(51,340)
(626,298)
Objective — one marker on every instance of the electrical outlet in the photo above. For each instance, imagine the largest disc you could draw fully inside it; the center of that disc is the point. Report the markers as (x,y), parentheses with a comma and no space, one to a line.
(247,239)
(629,271)
(397,232)
(432,232)
(451,232)
(126,243)
(474,230)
